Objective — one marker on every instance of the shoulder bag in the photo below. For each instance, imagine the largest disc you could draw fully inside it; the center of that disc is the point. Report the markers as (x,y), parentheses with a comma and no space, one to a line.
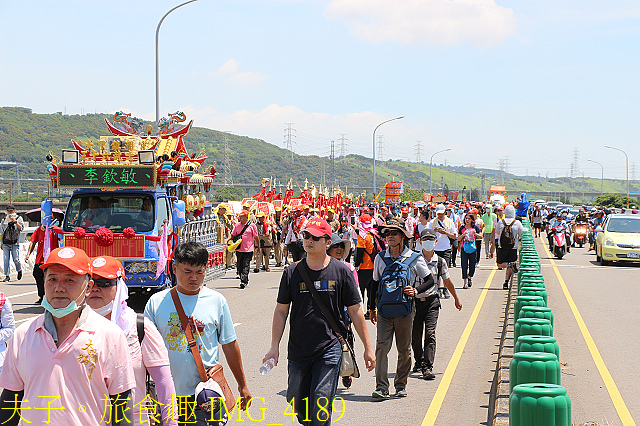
(348,366)
(215,372)
(235,241)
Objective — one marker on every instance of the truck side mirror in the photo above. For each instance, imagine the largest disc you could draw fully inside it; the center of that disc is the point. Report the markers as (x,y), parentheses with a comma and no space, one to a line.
(178,213)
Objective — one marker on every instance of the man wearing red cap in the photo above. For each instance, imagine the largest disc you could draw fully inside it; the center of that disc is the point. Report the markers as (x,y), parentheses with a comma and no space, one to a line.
(70,353)
(314,351)
(148,353)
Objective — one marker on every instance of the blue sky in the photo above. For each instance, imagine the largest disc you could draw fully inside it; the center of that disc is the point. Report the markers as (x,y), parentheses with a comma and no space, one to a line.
(529,79)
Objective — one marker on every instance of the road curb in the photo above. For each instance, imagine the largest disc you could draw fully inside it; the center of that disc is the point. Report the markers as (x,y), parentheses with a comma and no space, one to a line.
(499,395)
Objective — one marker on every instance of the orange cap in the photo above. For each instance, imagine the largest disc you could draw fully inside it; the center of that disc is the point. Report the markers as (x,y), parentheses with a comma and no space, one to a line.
(72,257)
(107,267)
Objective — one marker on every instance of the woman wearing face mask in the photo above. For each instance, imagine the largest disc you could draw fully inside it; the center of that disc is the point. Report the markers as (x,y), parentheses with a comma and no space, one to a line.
(467,237)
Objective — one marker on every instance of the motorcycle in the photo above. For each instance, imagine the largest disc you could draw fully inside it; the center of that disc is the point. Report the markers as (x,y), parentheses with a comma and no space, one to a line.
(559,246)
(580,234)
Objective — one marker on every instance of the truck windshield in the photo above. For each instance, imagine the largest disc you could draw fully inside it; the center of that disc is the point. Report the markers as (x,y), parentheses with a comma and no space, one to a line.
(116,212)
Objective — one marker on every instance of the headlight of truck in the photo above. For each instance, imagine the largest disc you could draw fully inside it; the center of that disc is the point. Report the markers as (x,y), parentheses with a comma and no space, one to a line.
(609,242)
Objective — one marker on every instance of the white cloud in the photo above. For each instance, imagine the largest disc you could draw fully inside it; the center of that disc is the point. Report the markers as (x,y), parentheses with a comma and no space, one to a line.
(438,22)
(230,70)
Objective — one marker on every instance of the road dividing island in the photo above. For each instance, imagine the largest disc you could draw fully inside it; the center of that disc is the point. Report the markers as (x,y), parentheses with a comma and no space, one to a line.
(527,389)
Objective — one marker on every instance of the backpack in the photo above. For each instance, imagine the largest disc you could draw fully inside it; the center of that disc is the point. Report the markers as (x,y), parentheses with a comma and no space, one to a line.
(378,245)
(507,240)
(11,234)
(392,302)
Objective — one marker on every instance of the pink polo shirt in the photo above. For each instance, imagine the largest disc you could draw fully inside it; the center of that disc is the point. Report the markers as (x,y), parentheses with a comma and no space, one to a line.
(91,364)
(247,238)
(152,353)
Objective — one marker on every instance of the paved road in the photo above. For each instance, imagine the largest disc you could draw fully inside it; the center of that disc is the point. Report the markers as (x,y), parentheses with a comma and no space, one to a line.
(607,299)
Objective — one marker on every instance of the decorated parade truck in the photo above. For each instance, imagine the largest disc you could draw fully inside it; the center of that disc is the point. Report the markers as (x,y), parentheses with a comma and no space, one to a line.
(136,195)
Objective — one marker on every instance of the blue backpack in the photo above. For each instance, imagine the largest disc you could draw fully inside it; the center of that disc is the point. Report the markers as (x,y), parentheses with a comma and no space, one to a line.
(392,302)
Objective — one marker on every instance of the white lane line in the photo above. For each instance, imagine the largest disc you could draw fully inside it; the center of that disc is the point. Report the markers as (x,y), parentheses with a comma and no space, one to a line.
(23,294)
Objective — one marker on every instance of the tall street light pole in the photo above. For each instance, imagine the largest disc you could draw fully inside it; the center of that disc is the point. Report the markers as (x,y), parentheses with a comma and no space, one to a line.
(627,161)
(374,152)
(601,174)
(431,165)
(158,62)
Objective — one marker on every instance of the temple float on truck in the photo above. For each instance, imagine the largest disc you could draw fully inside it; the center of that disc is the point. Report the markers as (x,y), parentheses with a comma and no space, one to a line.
(136,196)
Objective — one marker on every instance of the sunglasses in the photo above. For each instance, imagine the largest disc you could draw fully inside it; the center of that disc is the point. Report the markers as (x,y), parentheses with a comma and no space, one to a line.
(340,246)
(306,235)
(104,282)
(391,233)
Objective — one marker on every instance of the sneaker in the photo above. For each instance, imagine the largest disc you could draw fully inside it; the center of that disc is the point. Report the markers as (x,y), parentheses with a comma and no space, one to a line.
(505,286)
(19,274)
(427,374)
(400,393)
(256,270)
(380,394)
(243,285)
(417,367)
(347,381)
(7,279)
(446,294)
(465,285)
(469,282)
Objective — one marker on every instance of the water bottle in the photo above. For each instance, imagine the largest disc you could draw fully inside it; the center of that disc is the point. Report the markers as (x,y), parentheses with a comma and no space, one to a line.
(267,366)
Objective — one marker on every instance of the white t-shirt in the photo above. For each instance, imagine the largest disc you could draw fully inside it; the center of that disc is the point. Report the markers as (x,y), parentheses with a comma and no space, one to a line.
(442,242)
(210,313)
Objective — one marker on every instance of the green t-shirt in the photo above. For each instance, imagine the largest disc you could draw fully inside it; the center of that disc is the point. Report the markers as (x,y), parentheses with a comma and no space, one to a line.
(488,220)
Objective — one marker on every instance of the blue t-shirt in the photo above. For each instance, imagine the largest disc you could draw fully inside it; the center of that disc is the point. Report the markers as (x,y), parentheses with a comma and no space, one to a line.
(209,319)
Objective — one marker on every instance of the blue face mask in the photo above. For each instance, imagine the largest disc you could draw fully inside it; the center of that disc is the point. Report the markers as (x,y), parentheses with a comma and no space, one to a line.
(460,211)
(62,312)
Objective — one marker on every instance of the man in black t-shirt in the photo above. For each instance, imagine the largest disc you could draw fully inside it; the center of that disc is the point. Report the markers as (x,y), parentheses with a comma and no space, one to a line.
(314,352)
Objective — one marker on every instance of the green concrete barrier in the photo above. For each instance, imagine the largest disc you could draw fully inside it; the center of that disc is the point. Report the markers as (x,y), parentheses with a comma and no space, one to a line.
(539,404)
(532,326)
(533,367)
(526,301)
(532,343)
(536,312)
(533,291)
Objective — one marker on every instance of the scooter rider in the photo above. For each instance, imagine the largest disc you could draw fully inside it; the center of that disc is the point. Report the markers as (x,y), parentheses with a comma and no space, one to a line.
(559,220)
(581,218)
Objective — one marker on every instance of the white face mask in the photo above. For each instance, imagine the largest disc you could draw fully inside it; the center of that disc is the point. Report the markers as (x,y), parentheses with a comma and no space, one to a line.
(106,309)
(428,245)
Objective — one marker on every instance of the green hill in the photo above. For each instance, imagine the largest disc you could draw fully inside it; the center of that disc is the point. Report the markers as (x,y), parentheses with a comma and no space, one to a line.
(26,138)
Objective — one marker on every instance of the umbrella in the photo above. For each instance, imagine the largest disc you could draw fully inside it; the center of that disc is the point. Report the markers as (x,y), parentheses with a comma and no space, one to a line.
(34,215)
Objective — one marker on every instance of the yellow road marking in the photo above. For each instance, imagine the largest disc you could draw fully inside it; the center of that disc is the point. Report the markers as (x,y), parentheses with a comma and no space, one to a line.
(614,393)
(443,387)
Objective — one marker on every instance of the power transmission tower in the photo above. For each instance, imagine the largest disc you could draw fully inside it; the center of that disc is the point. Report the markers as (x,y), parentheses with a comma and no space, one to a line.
(288,135)
(324,173)
(226,165)
(380,146)
(483,176)
(418,151)
(575,168)
(633,171)
(501,167)
(343,145)
(333,163)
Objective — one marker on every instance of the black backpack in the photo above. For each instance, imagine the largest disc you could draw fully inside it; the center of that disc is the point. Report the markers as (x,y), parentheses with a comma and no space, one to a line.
(11,234)
(507,239)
